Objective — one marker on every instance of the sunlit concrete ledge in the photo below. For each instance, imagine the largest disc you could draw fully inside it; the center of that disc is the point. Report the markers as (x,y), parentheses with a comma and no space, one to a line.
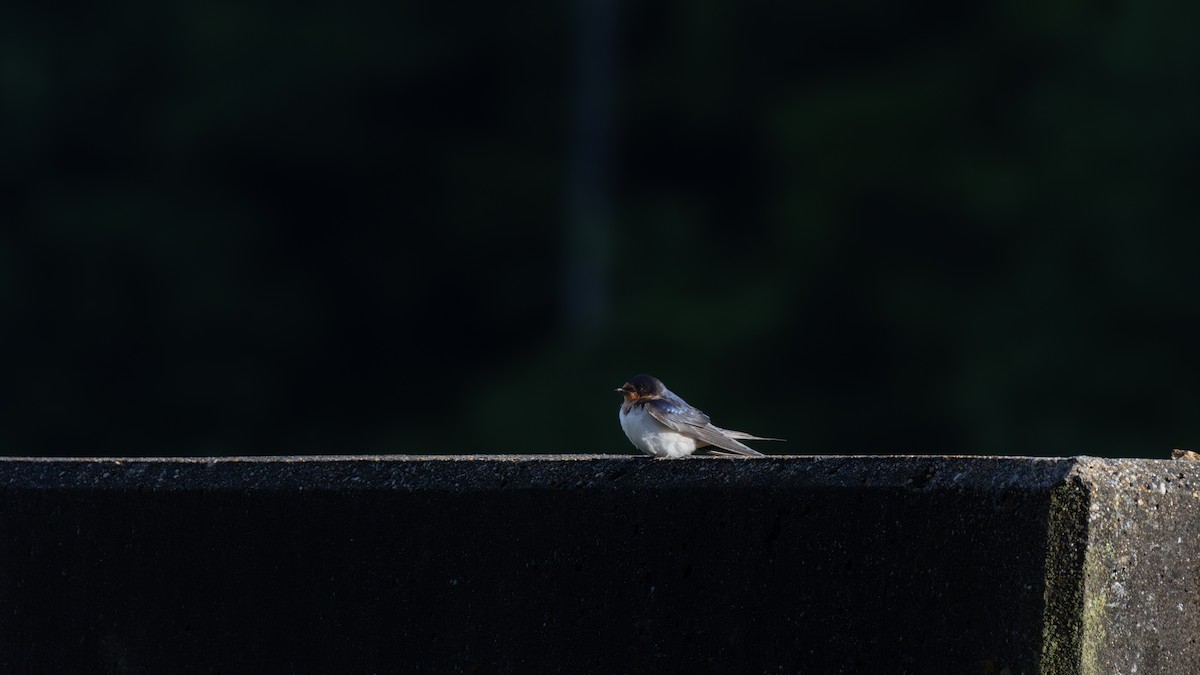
(509,563)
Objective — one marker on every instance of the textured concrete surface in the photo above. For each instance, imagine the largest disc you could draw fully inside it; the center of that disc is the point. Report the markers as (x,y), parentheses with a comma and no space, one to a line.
(597,564)
(1141,577)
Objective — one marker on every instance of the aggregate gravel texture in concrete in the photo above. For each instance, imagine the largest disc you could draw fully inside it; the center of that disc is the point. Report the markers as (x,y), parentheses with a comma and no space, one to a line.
(1141,574)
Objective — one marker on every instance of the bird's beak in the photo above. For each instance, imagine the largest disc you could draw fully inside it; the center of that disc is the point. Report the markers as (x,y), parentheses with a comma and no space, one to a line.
(628,392)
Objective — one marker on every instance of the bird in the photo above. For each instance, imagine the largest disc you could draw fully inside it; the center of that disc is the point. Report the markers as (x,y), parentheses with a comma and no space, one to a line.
(660,423)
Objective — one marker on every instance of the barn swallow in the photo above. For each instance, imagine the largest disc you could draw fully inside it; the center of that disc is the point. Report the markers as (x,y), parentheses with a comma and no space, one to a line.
(661,424)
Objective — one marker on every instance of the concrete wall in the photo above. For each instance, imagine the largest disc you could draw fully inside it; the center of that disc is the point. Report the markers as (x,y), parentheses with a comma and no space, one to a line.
(1141,575)
(599,564)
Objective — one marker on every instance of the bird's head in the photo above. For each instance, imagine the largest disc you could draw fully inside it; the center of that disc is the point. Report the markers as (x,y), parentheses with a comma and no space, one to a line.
(641,386)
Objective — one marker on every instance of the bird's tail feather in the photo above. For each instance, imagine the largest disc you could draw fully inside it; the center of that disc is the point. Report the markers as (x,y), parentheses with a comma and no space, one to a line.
(743,436)
(747,452)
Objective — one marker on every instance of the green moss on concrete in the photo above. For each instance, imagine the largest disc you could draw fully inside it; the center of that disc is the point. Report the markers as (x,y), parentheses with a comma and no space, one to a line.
(1066,547)
(1095,607)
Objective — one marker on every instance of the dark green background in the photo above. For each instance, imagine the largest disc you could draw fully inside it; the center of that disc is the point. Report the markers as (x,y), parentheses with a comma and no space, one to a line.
(239,228)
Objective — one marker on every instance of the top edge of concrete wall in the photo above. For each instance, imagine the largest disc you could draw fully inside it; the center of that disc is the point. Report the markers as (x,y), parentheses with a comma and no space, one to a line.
(519,457)
(491,472)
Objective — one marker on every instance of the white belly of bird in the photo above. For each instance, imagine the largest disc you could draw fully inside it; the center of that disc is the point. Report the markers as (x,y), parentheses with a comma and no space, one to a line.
(652,437)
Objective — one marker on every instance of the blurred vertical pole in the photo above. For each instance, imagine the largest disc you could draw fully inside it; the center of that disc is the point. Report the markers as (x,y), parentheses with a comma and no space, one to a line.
(588,240)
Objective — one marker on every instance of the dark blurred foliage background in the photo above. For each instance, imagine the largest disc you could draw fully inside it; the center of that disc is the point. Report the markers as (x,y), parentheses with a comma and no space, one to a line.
(244,228)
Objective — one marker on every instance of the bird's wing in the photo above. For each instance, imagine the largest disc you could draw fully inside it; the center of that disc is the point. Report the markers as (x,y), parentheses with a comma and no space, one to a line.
(685,419)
